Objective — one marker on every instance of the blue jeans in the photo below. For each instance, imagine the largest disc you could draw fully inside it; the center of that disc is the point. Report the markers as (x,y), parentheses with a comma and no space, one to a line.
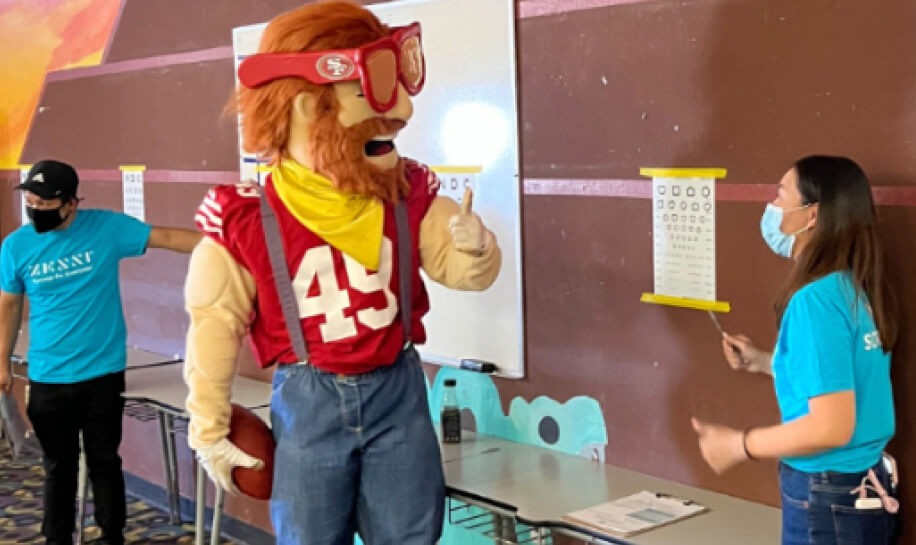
(355,453)
(817,509)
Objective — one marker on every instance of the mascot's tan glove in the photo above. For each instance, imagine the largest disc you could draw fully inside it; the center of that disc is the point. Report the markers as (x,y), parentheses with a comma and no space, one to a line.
(456,249)
(218,295)
(220,458)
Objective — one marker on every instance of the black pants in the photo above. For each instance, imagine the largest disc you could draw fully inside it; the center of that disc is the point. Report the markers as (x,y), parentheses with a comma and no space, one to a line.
(58,413)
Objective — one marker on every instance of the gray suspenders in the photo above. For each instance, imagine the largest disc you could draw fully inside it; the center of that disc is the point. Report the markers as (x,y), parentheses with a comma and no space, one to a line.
(405,249)
(285,286)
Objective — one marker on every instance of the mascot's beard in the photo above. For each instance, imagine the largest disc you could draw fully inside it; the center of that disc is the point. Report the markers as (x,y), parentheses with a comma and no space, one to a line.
(339,154)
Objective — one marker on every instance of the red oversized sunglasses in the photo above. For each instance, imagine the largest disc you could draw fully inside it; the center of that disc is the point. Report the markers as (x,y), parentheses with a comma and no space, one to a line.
(378,65)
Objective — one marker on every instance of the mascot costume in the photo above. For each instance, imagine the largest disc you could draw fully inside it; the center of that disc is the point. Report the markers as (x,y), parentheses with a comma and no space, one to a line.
(320,269)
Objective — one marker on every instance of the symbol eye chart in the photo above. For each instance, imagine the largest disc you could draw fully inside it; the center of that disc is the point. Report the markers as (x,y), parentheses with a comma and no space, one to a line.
(132,180)
(454,180)
(684,234)
(23,176)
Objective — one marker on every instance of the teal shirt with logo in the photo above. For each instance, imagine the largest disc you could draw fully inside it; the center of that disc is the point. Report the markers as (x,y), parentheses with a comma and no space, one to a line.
(76,321)
(828,343)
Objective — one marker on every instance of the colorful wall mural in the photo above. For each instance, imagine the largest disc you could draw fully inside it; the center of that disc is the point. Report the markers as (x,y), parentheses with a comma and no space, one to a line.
(37,37)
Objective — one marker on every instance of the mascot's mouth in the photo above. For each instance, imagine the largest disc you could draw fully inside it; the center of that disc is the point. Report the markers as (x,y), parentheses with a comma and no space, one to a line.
(380,145)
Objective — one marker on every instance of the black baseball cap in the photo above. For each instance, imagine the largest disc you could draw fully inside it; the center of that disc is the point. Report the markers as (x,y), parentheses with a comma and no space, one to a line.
(50,179)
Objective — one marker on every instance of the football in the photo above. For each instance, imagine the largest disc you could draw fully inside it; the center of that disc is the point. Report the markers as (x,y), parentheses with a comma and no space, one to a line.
(253,436)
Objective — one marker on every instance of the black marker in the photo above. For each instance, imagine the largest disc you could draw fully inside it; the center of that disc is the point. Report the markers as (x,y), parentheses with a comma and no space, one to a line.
(478,366)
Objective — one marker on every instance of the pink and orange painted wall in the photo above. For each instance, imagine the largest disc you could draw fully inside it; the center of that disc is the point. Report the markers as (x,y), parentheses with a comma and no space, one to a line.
(37,37)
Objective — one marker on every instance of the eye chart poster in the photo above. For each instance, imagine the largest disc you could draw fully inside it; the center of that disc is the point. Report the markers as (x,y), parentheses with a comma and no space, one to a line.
(684,232)
(132,180)
(455,180)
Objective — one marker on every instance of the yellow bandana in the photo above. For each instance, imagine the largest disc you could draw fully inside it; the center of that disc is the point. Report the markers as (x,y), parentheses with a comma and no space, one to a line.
(351,223)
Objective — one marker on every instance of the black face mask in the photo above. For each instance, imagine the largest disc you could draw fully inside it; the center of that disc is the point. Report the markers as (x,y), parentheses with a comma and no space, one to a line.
(46,220)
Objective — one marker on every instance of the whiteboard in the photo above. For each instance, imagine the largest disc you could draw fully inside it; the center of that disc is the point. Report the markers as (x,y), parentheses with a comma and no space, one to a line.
(465,125)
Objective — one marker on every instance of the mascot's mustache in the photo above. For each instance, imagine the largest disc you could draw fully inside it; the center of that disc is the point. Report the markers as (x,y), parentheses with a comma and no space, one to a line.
(363,131)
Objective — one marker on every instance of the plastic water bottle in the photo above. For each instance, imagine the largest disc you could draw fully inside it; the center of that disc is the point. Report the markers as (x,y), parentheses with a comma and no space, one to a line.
(451,414)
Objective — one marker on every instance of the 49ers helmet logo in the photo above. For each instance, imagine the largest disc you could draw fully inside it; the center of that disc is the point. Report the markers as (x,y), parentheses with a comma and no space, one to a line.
(335,66)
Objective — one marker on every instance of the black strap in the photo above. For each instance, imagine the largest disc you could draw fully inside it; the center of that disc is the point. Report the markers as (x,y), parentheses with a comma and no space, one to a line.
(285,287)
(405,251)
(281,278)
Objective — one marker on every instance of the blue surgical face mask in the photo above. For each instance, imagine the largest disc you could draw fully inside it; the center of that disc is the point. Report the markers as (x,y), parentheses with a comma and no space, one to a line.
(771,228)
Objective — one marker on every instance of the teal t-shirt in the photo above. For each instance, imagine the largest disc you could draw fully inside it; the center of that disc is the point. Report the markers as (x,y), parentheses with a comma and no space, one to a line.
(76,322)
(828,343)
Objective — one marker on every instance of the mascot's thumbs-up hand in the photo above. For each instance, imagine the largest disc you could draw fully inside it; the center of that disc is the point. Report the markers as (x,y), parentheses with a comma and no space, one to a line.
(468,232)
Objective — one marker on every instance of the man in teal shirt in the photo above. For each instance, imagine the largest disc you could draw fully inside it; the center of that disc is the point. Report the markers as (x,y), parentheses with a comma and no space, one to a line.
(66,261)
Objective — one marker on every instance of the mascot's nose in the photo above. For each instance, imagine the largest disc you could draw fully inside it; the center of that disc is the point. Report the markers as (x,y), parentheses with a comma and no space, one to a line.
(403,109)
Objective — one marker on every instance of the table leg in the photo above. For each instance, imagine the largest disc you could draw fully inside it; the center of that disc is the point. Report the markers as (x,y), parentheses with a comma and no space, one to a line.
(165,441)
(201,506)
(81,492)
(173,462)
(217,516)
(504,530)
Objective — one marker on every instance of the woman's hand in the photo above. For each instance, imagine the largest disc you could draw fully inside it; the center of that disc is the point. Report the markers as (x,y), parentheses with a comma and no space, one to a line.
(741,354)
(722,447)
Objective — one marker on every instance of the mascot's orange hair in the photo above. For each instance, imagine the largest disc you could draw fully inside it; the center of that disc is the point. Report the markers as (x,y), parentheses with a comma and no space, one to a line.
(314,27)
(336,152)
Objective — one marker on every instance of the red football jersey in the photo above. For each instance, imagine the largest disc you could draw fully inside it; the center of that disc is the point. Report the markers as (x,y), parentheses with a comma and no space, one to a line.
(350,316)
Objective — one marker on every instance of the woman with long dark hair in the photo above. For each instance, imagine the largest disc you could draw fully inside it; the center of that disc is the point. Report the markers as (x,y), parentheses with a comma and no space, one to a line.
(831,363)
